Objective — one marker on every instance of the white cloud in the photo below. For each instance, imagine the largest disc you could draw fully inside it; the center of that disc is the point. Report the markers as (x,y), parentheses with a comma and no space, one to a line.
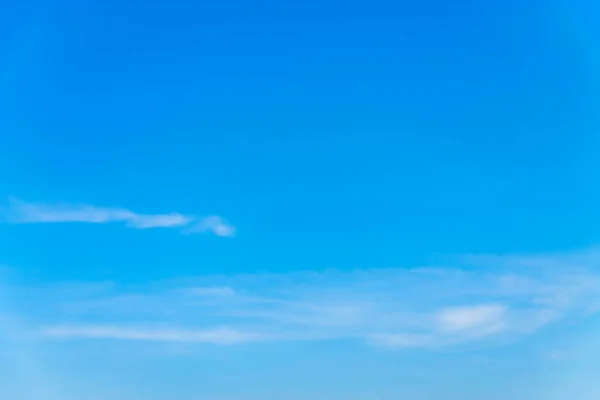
(484,319)
(214,224)
(20,212)
(398,308)
(222,336)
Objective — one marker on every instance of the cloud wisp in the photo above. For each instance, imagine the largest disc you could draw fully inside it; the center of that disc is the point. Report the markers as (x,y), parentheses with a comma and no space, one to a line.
(395,308)
(20,212)
(221,336)
(485,319)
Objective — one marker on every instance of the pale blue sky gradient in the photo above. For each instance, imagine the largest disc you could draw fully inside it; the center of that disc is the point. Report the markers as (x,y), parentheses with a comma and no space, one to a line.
(291,200)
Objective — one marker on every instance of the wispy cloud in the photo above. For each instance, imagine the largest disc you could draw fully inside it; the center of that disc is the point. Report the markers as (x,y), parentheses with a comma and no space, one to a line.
(20,212)
(453,326)
(484,319)
(212,291)
(214,224)
(396,308)
(221,336)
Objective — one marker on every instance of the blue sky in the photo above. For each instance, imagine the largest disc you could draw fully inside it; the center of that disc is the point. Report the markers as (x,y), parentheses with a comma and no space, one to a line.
(340,200)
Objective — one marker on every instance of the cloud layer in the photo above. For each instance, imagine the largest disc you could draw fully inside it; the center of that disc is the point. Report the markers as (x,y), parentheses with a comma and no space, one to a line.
(493,301)
(20,212)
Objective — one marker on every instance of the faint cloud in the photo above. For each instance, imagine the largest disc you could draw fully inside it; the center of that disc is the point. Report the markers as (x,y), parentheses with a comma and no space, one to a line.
(497,303)
(221,336)
(214,224)
(452,326)
(477,319)
(213,291)
(20,212)
(400,340)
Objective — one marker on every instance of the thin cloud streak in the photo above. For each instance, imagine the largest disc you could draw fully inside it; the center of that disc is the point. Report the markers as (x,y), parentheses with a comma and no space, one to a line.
(220,336)
(395,308)
(213,291)
(20,212)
